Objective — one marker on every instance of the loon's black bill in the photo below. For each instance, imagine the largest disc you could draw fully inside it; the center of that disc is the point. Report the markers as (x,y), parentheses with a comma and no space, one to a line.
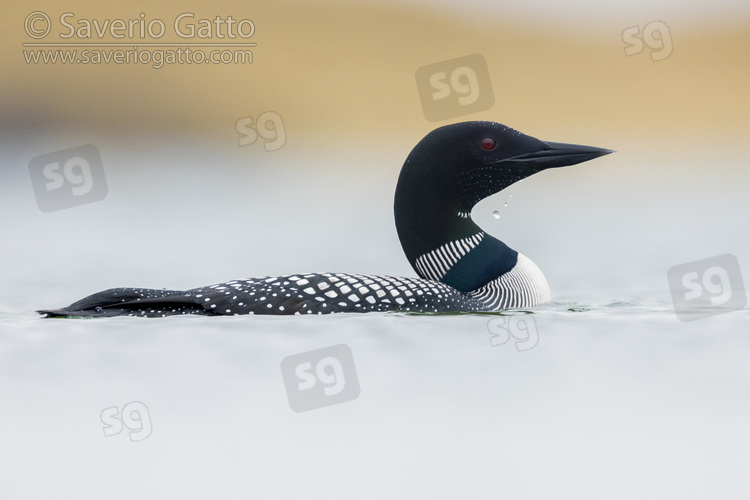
(557,154)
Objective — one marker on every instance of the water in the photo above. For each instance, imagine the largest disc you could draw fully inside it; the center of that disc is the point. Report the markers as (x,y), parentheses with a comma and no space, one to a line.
(616,398)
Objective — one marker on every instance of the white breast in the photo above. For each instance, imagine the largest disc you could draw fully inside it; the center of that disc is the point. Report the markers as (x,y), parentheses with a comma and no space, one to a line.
(522,286)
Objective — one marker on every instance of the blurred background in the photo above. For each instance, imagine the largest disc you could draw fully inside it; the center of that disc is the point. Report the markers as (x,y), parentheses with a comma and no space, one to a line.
(288,164)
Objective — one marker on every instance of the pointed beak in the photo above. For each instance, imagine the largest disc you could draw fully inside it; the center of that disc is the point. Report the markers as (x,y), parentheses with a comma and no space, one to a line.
(557,154)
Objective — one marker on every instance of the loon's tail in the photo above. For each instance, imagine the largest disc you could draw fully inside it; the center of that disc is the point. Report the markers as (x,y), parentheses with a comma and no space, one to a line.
(130,301)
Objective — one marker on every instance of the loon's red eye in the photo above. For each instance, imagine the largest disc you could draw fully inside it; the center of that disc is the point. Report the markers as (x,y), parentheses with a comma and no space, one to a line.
(488,143)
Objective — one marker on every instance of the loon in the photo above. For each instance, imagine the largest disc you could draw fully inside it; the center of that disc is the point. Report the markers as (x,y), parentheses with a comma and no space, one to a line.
(461,268)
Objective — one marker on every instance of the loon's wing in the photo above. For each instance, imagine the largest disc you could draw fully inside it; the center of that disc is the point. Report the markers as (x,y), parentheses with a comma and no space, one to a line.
(317,293)
(323,293)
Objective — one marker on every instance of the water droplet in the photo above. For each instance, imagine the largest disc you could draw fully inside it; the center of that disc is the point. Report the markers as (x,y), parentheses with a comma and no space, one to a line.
(496,213)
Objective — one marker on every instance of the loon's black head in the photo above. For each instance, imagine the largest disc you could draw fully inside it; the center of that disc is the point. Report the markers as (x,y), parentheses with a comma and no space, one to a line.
(467,162)
(451,170)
